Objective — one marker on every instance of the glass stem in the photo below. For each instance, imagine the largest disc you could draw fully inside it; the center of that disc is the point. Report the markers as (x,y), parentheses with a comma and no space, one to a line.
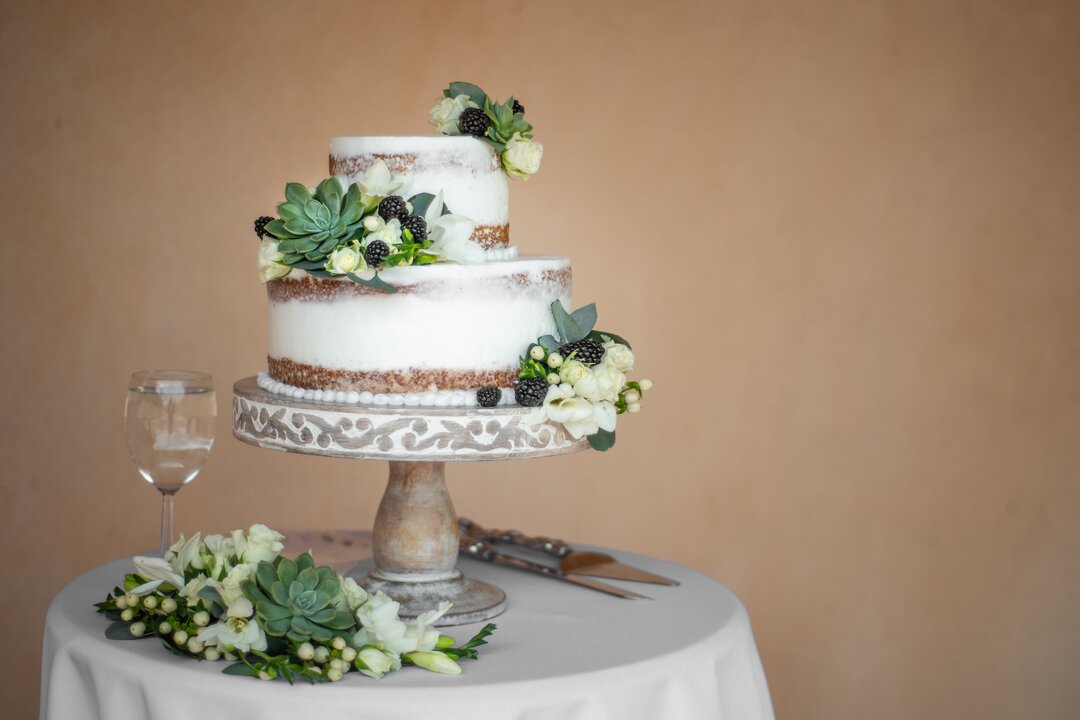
(166,522)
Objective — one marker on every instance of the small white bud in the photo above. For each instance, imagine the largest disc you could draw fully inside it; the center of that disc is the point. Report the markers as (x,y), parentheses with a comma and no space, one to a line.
(632,396)
(322,654)
(554,360)
(137,629)
(335,664)
(194,646)
(333,674)
(164,628)
(408,207)
(553,379)
(339,643)
(126,615)
(373,223)
(306,651)
(633,408)
(121,602)
(263,675)
(201,618)
(537,352)
(149,602)
(348,654)
(212,654)
(646,384)
(168,605)
(132,600)
(180,637)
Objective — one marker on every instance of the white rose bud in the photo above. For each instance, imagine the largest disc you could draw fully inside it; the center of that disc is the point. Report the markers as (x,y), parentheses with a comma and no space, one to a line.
(121,602)
(446,112)
(212,654)
(137,629)
(348,654)
(572,371)
(338,643)
(164,628)
(619,356)
(537,352)
(201,618)
(168,605)
(333,674)
(554,360)
(149,602)
(127,614)
(521,159)
(306,651)
(373,223)
(344,260)
(646,384)
(180,637)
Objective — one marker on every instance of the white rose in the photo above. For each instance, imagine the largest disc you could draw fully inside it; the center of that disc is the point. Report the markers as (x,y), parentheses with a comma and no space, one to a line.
(229,586)
(446,112)
(262,544)
(619,356)
(521,158)
(572,371)
(345,260)
(270,265)
(603,384)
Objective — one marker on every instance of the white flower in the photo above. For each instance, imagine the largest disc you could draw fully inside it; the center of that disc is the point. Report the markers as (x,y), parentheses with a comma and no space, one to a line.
(262,544)
(217,555)
(185,553)
(270,265)
(446,112)
(373,223)
(388,232)
(381,625)
(229,587)
(521,158)
(346,259)
(603,384)
(449,235)
(151,568)
(572,371)
(238,632)
(378,182)
(435,662)
(352,595)
(375,663)
(579,416)
(190,592)
(619,356)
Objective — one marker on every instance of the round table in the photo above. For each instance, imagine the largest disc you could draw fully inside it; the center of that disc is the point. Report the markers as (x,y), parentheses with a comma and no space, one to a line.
(560,652)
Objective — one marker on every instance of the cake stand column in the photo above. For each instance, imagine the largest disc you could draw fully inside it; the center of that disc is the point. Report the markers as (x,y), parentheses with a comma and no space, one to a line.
(416,548)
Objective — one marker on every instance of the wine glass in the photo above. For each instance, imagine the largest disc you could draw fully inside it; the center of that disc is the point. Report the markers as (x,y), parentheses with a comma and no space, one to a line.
(169,415)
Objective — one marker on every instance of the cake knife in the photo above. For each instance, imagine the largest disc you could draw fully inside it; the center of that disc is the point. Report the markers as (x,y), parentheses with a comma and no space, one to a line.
(579,562)
(483,550)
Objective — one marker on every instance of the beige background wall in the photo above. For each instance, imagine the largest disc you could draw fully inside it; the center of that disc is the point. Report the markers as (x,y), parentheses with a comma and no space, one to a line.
(844,238)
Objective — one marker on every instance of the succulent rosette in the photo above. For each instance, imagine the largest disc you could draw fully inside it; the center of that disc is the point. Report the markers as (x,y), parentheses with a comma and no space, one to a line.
(465,109)
(236,598)
(578,379)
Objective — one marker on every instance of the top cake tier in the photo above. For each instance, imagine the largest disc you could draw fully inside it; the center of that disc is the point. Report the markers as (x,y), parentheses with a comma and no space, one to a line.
(467,171)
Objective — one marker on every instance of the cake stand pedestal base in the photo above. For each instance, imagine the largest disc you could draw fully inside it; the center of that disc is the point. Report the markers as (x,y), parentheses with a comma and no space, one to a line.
(416,548)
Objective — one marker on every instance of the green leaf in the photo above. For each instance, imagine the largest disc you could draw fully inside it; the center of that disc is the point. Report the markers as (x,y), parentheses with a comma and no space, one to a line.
(375,283)
(277,229)
(585,317)
(474,93)
(240,668)
(329,193)
(298,227)
(319,214)
(602,440)
(568,328)
(602,336)
(321,273)
(297,194)
(290,211)
(310,265)
(479,638)
(266,574)
(121,630)
(550,344)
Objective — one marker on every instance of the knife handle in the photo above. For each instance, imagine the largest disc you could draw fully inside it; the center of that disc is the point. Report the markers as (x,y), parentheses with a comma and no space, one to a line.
(551,546)
(483,550)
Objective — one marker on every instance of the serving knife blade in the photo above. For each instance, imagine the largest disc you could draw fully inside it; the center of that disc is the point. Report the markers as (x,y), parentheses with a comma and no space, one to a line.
(483,550)
(578,562)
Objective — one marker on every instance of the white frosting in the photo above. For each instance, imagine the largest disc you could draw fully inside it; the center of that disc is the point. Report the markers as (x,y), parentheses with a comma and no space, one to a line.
(466,170)
(434,398)
(455,317)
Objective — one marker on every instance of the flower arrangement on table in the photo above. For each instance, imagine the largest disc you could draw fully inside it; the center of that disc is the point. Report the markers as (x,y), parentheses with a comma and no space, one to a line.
(577,379)
(236,598)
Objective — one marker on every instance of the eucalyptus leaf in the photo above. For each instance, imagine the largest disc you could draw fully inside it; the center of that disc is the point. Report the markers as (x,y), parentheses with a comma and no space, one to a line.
(585,317)
(121,630)
(602,440)
(568,328)
(320,273)
(375,283)
(549,343)
(602,336)
(474,93)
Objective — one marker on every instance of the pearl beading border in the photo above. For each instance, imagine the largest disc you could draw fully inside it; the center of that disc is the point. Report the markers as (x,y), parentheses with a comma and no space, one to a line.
(435,398)
(501,253)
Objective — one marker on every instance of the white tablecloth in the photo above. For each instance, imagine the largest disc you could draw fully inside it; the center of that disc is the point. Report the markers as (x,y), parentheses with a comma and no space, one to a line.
(560,652)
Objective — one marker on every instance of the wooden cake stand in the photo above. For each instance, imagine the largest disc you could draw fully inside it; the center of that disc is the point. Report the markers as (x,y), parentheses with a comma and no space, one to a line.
(416,531)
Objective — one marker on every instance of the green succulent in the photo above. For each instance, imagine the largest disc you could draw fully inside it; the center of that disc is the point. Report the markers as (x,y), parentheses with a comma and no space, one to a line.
(296,600)
(504,121)
(311,226)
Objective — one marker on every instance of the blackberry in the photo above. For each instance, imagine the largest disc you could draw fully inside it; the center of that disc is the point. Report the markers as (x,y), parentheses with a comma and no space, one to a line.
(589,352)
(417,226)
(392,206)
(473,121)
(260,225)
(376,252)
(530,392)
(518,108)
(488,396)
